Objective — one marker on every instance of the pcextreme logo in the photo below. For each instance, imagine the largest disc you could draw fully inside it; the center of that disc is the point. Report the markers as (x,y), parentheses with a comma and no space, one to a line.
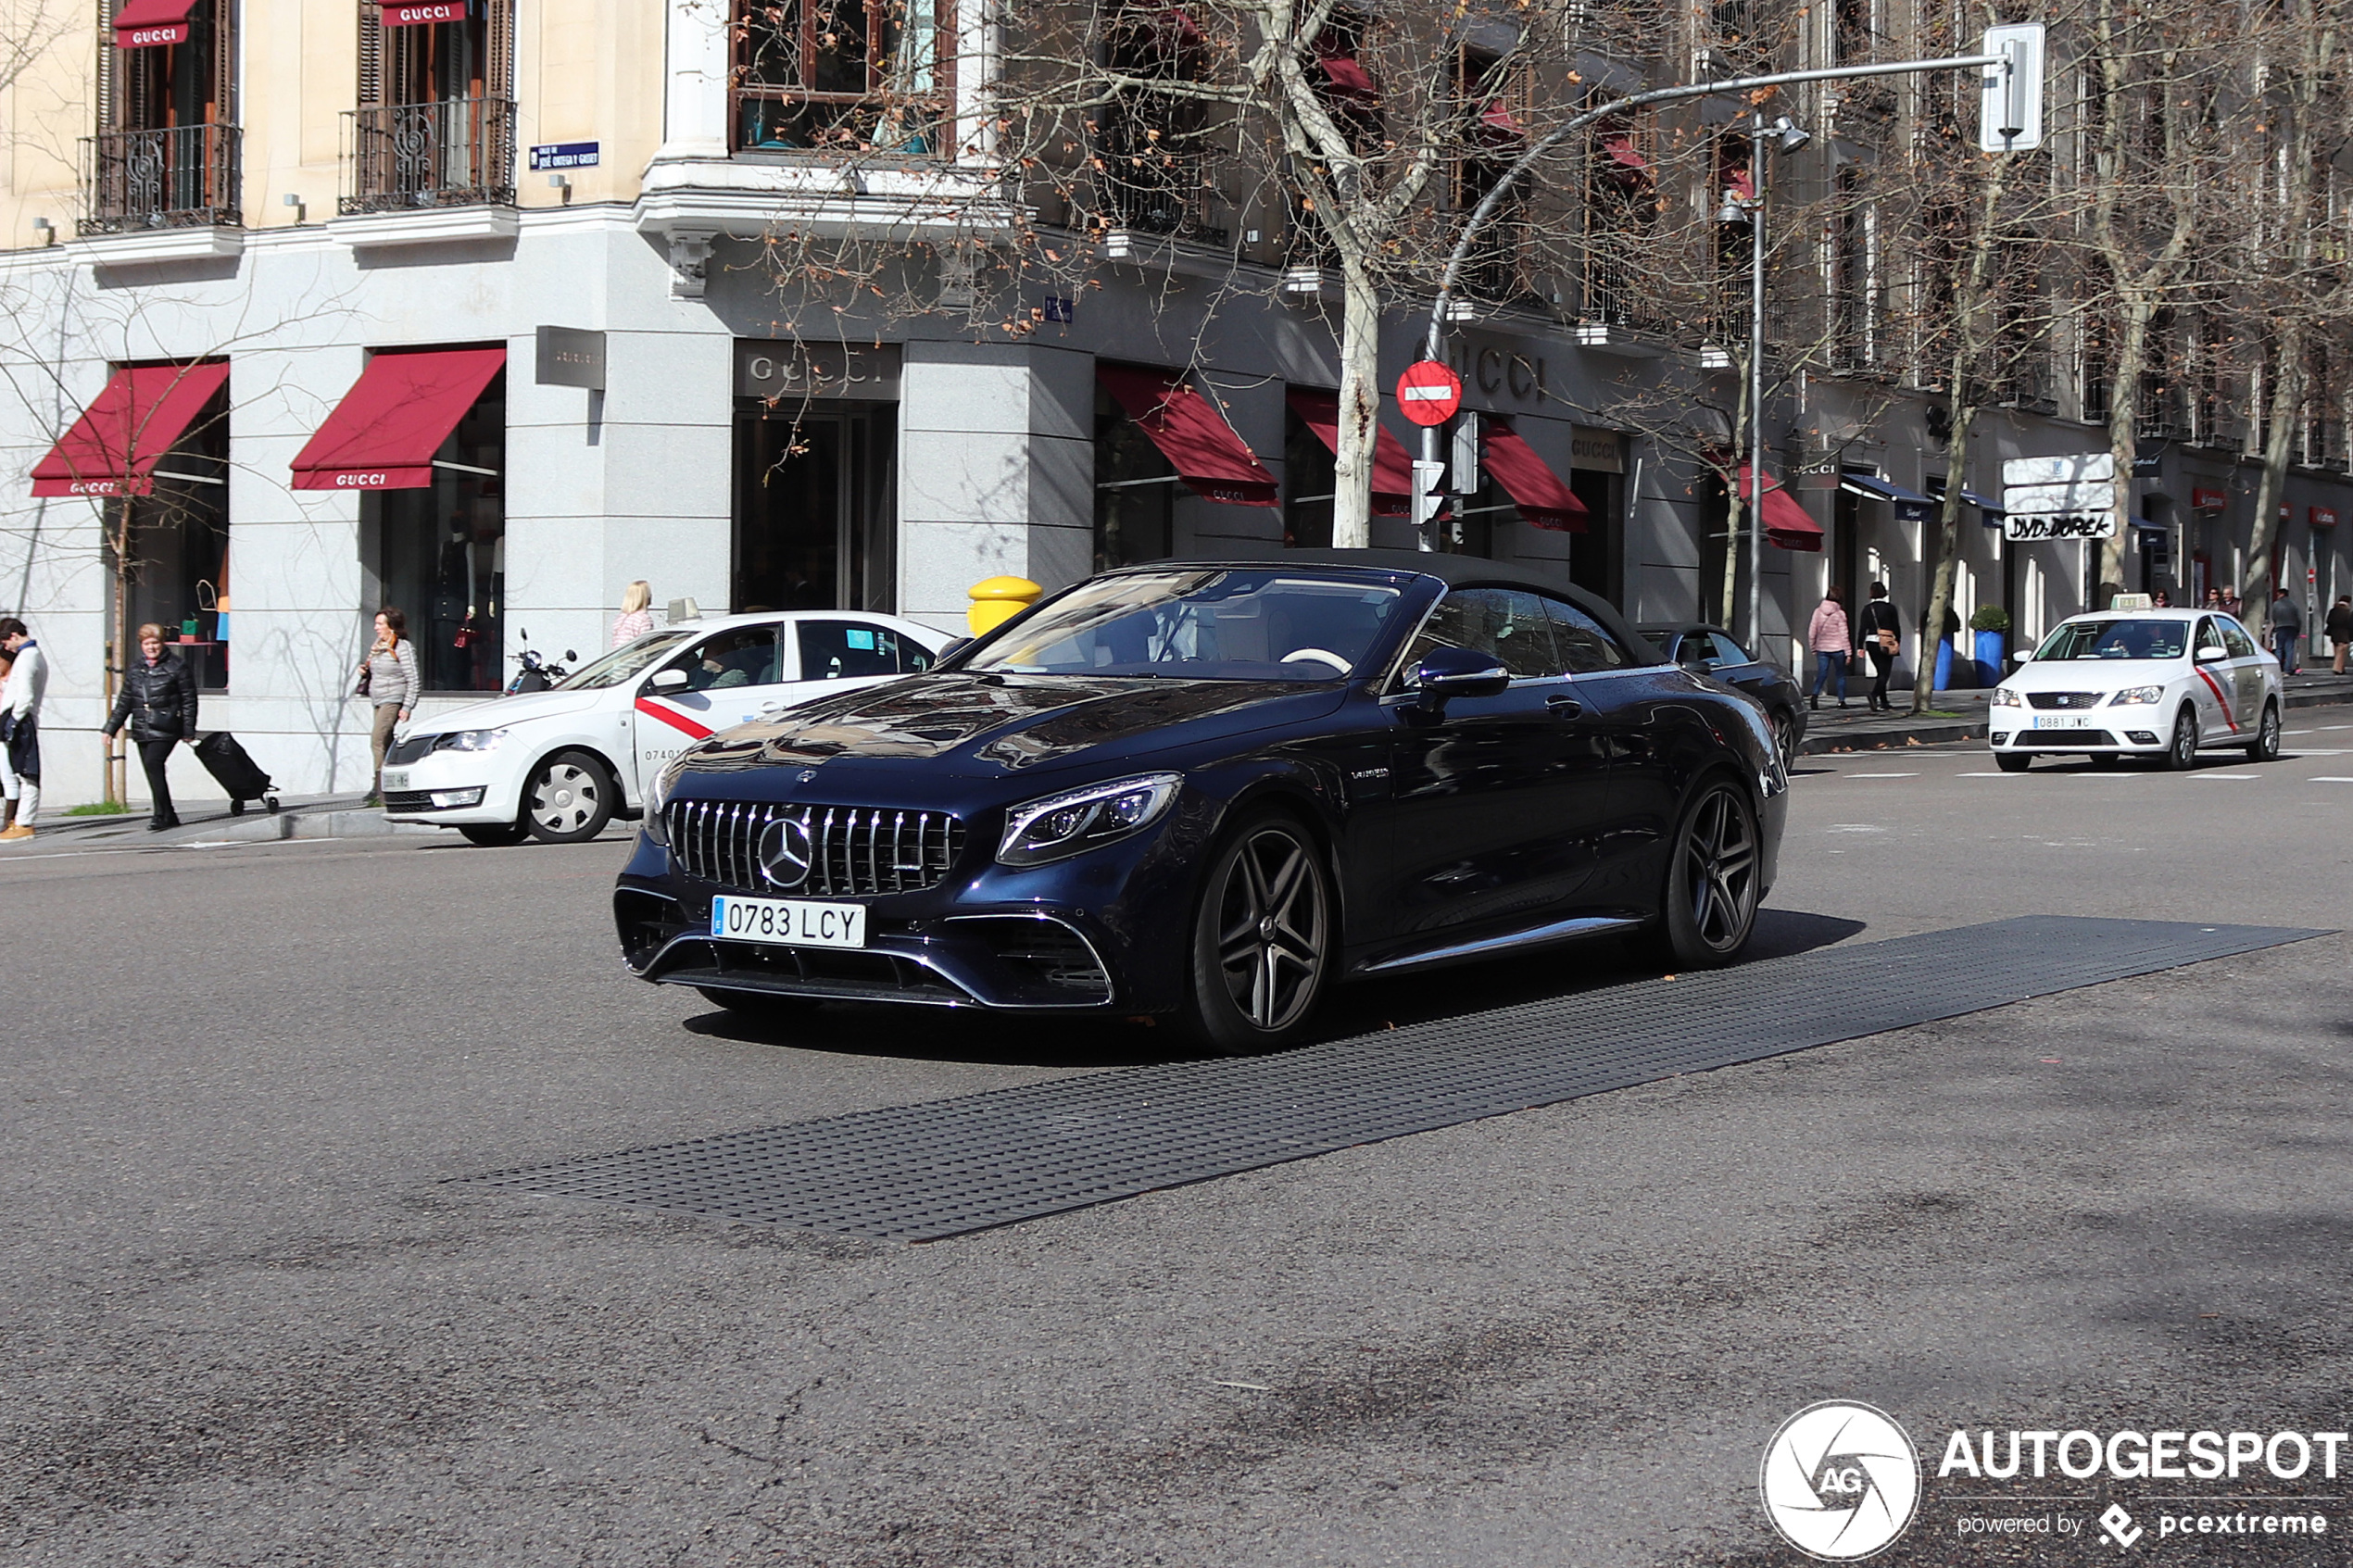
(1840,1481)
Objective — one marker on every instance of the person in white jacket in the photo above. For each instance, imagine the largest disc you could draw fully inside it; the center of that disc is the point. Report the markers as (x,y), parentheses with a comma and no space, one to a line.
(20,723)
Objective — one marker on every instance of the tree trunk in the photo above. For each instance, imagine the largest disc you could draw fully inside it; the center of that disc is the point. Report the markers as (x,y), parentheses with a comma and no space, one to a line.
(117,776)
(2123,436)
(1359,409)
(1948,551)
(2287,405)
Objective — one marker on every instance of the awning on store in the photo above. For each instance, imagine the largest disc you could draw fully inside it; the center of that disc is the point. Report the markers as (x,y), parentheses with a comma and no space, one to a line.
(1619,146)
(1911,505)
(1544,500)
(1983,503)
(2141,522)
(1347,76)
(383,433)
(143,24)
(1740,184)
(422,13)
(113,447)
(1393,469)
(1496,124)
(1216,464)
(1786,525)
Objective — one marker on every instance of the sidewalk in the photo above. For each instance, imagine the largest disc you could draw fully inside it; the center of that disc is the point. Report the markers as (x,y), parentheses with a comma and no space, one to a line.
(1961,716)
(209,821)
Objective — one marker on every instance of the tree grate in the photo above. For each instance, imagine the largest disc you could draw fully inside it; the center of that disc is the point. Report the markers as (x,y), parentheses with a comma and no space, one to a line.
(922,1173)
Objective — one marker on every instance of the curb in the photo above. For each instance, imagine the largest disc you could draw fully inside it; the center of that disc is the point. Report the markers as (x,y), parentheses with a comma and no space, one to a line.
(1939,733)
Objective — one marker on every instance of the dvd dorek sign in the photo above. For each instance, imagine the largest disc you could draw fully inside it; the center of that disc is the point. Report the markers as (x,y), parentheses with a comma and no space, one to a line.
(2058,525)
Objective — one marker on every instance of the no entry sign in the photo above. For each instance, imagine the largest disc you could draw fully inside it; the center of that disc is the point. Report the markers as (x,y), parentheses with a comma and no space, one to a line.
(1429,393)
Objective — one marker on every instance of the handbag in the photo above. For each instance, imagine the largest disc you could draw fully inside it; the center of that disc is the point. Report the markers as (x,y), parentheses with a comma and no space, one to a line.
(1887,643)
(367,677)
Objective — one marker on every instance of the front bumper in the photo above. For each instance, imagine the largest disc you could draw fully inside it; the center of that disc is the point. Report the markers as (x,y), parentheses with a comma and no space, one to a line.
(2124,731)
(493,780)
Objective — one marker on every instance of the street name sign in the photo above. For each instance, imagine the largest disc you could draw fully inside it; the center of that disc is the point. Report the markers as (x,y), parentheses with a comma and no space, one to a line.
(1429,393)
(2064,525)
(2097,495)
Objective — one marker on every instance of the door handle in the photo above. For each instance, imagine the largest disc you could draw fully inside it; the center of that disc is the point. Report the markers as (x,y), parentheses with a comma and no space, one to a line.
(1565,707)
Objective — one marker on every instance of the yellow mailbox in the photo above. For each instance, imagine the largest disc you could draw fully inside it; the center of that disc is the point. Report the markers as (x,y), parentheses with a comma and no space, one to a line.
(997,600)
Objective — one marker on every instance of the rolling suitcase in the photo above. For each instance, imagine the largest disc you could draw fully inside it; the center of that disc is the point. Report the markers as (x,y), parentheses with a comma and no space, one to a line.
(235,771)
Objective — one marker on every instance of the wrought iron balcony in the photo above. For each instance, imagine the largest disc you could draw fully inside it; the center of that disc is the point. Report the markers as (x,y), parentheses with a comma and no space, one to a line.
(459,152)
(185,177)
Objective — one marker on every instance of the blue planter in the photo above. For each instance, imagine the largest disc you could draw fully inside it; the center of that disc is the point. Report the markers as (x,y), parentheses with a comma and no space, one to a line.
(1944,665)
(1989,657)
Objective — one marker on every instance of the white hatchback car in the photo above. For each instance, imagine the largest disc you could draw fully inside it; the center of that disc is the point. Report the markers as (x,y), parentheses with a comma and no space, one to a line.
(558,765)
(2145,683)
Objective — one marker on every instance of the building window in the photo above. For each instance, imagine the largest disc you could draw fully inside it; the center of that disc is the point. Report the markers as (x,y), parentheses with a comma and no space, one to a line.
(1491,99)
(1135,491)
(167,148)
(441,552)
(848,76)
(1151,165)
(1620,213)
(436,125)
(1351,96)
(177,539)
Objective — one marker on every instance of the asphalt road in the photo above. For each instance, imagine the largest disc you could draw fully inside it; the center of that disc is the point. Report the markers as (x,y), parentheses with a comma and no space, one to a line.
(243,1320)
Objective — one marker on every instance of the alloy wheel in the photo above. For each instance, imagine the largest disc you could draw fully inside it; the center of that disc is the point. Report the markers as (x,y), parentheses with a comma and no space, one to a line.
(2183,755)
(1273,928)
(1717,869)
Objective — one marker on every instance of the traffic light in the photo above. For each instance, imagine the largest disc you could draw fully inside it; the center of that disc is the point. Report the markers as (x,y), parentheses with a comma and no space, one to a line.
(2009,104)
(1464,479)
(1429,491)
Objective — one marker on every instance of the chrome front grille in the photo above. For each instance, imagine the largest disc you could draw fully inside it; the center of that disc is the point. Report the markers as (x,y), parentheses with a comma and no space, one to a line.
(2065,699)
(854,851)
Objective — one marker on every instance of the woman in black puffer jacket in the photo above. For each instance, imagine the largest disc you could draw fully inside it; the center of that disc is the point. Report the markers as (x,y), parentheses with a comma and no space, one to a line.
(158,696)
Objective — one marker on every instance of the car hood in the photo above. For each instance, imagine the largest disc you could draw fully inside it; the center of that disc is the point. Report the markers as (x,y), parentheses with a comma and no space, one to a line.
(979,725)
(501,712)
(2093,674)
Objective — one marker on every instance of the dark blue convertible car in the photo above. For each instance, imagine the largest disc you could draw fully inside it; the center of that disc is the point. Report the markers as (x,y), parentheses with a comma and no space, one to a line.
(1214,790)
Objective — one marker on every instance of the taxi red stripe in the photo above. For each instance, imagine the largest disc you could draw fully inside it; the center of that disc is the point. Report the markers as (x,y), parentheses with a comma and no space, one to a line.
(2219,700)
(673,718)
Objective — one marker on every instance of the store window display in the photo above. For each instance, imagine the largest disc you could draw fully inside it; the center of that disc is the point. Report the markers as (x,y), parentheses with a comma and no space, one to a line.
(441,552)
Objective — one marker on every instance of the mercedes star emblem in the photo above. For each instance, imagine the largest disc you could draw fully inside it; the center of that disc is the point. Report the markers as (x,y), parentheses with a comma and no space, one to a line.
(784,852)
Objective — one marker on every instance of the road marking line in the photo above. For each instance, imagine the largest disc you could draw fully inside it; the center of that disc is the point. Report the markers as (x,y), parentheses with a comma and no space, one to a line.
(2329,777)
(1981,775)
(1882,775)
(2230,776)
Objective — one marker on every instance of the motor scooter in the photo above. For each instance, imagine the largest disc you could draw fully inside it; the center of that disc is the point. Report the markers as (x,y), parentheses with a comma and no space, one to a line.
(537,674)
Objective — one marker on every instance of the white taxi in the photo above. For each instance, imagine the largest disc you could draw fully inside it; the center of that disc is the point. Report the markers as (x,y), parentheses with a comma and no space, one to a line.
(558,765)
(2149,682)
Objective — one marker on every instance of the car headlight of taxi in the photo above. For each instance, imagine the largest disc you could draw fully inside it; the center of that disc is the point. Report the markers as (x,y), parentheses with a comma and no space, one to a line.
(2137,696)
(2005,698)
(467,740)
(1070,823)
(658,793)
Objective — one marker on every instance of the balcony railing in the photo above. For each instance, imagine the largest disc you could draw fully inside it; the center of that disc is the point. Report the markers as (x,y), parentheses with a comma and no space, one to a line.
(459,152)
(180,178)
(1162,197)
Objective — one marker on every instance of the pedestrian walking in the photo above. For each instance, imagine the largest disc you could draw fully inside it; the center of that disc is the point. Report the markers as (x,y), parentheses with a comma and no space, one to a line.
(1881,633)
(388,678)
(2161,600)
(159,697)
(2340,630)
(636,617)
(1827,635)
(21,696)
(2287,627)
(2214,599)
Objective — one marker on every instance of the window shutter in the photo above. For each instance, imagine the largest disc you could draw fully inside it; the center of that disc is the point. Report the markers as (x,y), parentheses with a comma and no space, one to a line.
(498,80)
(109,82)
(371,55)
(224,62)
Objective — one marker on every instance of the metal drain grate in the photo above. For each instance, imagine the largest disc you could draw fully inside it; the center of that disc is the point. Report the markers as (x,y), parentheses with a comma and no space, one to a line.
(921,1172)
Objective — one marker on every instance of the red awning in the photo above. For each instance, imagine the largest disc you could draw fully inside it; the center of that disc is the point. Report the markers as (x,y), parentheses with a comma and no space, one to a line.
(1786,525)
(1212,460)
(1347,76)
(1737,180)
(142,24)
(421,13)
(1542,500)
(113,447)
(1620,147)
(1393,469)
(1496,124)
(383,433)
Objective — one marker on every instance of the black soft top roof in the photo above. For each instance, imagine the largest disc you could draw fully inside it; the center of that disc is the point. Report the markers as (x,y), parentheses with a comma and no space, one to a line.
(1455,572)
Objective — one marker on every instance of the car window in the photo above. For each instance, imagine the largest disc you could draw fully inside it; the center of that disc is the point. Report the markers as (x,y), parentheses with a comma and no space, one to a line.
(2234,637)
(2210,635)
(1231,623)
(1506,622)
(1663,641)
(745,657)
(2128,637)
(834,650)
(1729,651)
(624,662)
(1585,646)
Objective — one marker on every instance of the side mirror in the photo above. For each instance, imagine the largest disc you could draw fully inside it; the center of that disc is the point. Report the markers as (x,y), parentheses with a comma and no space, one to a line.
(668,680)
(1451,673)
(570,657)
(954,647)
(2022,656)
(2211,654)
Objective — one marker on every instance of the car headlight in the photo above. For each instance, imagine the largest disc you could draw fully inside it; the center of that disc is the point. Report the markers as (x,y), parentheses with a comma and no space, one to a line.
(2005,698)
(467,740)
(2137,696)
(656,795)
(1078,820)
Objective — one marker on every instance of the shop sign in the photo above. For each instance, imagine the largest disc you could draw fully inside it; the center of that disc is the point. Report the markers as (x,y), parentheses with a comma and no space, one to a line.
(565,154)
(2206,498)
(2080,468)
(2073,525)
(2322,516)
(1501,374)
(570,357)
(1598,451)
(776,370)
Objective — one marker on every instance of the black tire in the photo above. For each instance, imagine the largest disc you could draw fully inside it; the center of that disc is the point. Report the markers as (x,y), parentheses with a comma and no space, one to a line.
(569,799)
(1708,907)
(1266,937)
(2013,761)
(494,835)
(2265,746)
(2181,754)
(236,807)
(758,1006)
(1784,728)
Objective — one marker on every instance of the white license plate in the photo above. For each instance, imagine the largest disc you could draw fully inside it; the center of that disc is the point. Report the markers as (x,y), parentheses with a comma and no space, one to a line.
(789,922)
(2060,721)
(396,778)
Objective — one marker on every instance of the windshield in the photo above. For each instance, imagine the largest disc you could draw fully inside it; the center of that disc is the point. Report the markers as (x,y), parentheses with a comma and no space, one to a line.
(1259,624)
(2116,639)
(628,659)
